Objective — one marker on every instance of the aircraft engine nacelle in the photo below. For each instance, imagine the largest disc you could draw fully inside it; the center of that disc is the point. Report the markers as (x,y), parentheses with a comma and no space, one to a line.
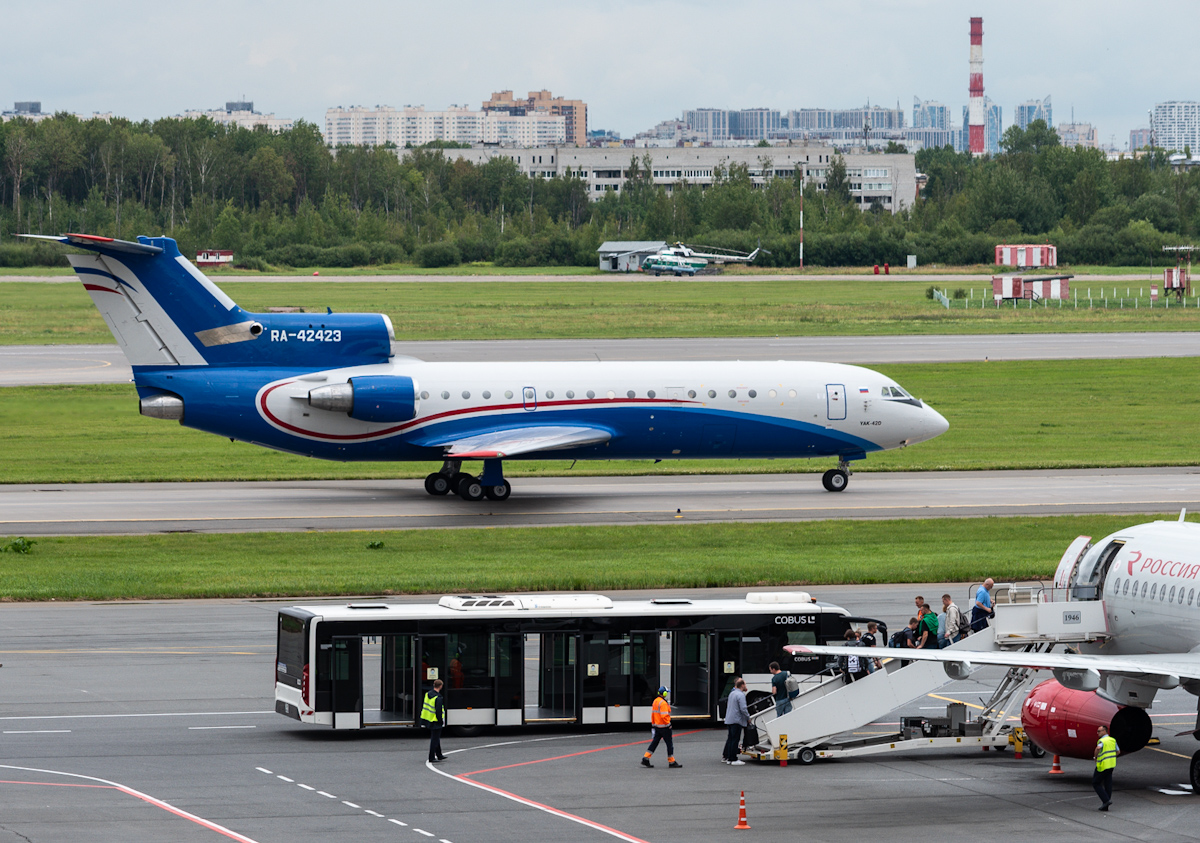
(1063,722)
(370,398)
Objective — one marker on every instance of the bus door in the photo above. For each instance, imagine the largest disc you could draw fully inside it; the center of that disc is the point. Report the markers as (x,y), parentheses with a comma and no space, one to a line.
(595,678)
(643,673)
(398,703)
(691,683)
(729,664)
(470,679)
(509,670)
(559,676)
(346,675)
(431,664)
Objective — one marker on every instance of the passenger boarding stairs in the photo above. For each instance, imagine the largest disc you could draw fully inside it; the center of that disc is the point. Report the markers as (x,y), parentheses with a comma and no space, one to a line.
(835,704)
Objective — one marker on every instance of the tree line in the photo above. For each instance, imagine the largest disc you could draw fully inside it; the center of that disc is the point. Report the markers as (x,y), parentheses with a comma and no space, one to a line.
(286,199)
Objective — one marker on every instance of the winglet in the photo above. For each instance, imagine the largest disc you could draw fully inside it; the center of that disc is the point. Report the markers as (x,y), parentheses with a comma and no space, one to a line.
(1183,514)
(99,244)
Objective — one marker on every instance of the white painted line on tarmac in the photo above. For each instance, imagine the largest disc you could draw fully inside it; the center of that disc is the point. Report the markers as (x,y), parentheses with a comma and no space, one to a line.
(373,813)
(423,831)
(166,806)
(286,779)
(344,802)
(165,714)
(264,770)
(327,795)
(397,822)
(198,728)
(37,731)
(306,787)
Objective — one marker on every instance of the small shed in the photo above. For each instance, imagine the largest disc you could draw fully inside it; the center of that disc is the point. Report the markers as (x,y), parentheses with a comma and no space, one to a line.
(214,257)
(627,255)
(1006,287)
(1027,256)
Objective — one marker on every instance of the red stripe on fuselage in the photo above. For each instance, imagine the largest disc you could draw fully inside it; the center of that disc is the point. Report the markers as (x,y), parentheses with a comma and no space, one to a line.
(100,289)
(351,437)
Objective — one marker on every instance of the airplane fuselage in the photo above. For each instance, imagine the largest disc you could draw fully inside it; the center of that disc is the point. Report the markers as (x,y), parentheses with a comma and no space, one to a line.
(680,410)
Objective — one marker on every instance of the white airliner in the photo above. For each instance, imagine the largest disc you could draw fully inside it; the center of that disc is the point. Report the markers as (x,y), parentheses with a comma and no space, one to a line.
(1145,582)
(331,386)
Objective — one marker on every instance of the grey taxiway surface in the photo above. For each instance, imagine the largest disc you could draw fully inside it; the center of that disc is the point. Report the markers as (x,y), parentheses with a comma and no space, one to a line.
(104,706)
(65,509)
(82,364)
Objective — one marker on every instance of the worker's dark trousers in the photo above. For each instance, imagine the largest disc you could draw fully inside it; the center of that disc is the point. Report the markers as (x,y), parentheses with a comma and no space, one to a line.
(664,734)
(1102,784)
(435,742)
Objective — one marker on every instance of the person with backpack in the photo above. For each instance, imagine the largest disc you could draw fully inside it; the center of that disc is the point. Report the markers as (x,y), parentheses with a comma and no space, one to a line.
(927,630)
(779,687)
(956,621)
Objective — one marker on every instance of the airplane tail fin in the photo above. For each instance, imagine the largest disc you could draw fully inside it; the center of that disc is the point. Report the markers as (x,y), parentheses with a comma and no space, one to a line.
(163,311)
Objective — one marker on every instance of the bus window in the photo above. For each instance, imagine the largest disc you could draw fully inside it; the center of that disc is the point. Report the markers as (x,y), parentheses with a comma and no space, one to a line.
(292,650)
(468,683)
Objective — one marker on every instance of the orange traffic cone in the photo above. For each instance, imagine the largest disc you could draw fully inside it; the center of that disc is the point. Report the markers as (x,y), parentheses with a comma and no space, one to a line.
(1056,768)
(742,814)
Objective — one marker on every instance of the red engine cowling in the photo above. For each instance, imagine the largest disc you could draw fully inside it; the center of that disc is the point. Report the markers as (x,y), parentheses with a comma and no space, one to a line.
(1063,722)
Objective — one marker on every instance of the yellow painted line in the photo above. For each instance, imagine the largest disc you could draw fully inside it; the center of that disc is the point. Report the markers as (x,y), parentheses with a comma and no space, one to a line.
(402,515)
(951,700)
(1168,752)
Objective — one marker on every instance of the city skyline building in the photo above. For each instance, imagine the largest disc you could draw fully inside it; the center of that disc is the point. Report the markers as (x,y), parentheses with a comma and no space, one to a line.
(1072,135)
(1031,110)
(574,112)
(242,113)
(1176,124)
(929,114)
(993,127)
(414,126)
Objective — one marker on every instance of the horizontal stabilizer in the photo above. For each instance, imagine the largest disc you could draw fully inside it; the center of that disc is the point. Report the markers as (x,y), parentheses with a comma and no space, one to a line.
(100,244)
(521,440)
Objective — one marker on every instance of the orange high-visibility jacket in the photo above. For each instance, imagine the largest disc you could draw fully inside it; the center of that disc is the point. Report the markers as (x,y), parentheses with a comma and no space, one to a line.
(660,712)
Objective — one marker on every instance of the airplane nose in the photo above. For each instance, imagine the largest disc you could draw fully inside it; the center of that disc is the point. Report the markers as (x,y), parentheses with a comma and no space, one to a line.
(936,424)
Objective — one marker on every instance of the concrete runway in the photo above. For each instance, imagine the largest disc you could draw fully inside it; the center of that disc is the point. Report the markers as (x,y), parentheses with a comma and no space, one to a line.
(172,701)
(138,508)
(83,364)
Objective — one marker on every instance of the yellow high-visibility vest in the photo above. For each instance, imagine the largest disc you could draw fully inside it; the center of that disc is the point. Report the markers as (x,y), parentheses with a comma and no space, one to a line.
(1107,759)
(429,710)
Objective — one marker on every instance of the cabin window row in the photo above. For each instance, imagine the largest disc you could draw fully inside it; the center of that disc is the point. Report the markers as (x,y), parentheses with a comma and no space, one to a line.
(650,393)
(1183,597)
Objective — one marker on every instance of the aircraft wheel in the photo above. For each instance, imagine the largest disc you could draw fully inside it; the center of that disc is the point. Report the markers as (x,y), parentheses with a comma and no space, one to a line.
(437,484)
(1034,750)
(470,489)
(455,479)
(1196,772)
(806,756)
(499,492)
(835,480)
(678,274)
(657,274)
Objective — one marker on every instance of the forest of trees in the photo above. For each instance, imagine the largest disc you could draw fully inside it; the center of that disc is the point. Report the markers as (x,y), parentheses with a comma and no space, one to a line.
(287,200)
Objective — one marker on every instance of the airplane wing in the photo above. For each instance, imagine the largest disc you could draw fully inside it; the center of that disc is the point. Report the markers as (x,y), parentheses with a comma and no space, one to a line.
(519,440)
(1179,665)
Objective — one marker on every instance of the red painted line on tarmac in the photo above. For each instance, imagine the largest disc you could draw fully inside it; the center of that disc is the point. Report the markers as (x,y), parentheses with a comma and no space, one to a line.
(569,755)
(541,806)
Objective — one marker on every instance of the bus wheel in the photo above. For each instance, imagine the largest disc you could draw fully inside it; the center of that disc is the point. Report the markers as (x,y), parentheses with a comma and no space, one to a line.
(806,756)
(468,731)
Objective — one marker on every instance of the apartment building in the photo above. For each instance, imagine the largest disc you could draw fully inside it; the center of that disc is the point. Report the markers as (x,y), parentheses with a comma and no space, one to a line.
(242,113)
(573,112)
(1176,125)
(414,126)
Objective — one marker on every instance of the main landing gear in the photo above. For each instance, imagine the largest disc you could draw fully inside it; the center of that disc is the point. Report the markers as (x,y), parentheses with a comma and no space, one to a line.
(837,479)
(451,478)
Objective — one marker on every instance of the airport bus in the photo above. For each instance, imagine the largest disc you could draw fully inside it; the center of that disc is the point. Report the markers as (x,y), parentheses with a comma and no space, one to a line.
(512,660)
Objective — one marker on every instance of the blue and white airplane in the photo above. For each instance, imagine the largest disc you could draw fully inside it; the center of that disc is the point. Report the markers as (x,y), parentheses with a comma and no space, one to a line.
(332,386)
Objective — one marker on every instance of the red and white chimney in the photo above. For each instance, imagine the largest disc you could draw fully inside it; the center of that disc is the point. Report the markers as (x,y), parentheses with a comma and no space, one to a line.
(975,113)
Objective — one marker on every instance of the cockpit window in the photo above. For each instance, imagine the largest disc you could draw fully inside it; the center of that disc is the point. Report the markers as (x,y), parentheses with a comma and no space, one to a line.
(894,392)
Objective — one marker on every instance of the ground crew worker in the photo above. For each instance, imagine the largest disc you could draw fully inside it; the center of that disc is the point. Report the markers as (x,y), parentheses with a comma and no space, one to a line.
(433,717)
(1106,761)
(660,726)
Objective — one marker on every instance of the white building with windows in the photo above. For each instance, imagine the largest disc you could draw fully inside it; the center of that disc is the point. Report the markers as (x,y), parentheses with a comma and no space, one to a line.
(242,113)
(1177,125)
(414,126)
(889,180)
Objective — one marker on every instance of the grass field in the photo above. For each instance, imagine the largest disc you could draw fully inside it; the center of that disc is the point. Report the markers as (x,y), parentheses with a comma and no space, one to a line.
(33,313)
(1056,414)
(545,559)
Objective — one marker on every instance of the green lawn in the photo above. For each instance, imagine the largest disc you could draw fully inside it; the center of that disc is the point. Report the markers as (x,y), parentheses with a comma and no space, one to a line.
(1040,414)
(39,313)
(545,559)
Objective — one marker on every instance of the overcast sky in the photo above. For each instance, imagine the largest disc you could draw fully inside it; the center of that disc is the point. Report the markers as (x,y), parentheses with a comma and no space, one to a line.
(635,62)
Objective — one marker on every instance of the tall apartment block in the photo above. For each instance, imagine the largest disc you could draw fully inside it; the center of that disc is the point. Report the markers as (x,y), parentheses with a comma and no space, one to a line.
(573,112)
(1176,125)
(1031,110)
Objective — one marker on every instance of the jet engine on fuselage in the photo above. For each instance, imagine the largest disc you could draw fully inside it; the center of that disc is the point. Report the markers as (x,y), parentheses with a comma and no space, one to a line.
(1063,722)
(369,398)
